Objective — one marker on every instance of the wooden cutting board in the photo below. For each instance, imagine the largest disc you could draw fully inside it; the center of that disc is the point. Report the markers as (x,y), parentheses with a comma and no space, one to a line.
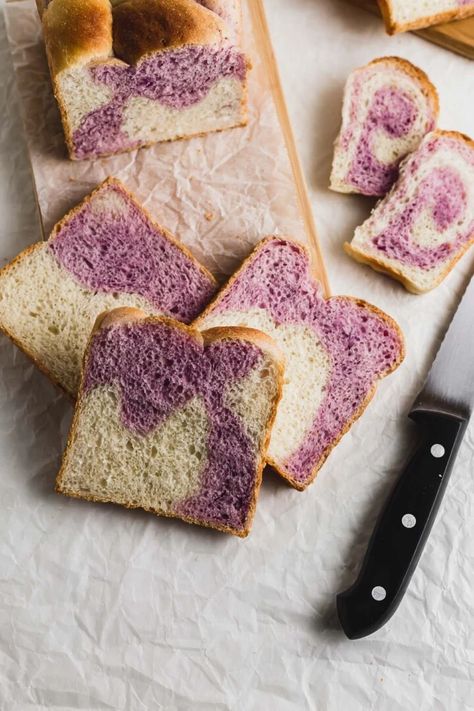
(456,36)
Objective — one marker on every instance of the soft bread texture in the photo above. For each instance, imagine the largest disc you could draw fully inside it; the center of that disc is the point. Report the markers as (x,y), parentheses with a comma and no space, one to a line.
(106,252)
(404,15)
(131,73)
(426,223)
(335,351)
(173,421)
(389,105)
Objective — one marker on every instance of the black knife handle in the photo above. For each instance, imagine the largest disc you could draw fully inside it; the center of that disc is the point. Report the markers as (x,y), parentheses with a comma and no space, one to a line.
(402,527)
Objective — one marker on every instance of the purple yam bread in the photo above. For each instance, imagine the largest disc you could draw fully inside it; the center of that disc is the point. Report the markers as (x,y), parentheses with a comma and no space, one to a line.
(404,15)
(426,223)
(106,252)
(173,421)
(130,73)
(389,105)
(336,350)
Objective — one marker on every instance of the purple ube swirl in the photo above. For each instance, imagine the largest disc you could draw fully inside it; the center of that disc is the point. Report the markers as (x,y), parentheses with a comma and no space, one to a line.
(122,251)
(361,344)
(177,79)
(158,369)
(442,193)
(392,115)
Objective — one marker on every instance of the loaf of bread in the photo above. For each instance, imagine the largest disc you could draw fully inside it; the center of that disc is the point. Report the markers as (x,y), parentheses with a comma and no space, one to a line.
(173,421)
(130,73)
(426,223)
(403,15)
(107,252)
(389,105)
(336,350)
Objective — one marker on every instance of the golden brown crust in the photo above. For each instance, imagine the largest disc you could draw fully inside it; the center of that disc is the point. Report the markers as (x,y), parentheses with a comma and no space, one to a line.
(277,467)
(141,27)
(42,245)
(128,315)
(416,73)
(393,27)
(379,264)
(77,32)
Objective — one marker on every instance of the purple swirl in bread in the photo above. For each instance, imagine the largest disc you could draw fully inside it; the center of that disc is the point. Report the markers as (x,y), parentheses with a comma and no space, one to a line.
(426,223)
(389,105)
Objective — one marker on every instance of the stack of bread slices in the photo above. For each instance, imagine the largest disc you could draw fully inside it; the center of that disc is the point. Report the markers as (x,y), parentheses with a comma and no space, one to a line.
(183,393)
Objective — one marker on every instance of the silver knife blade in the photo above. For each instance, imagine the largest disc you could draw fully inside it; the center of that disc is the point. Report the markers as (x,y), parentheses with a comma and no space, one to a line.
(450,382)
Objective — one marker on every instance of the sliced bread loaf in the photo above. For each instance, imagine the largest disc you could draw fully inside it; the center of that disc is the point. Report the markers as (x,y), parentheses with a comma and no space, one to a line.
(426,223)
(403,15)
(107,252)
(173,421)
(389,105)
(336,349)
(130,73)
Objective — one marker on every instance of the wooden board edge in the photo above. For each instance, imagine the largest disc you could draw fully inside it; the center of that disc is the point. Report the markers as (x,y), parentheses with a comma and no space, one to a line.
(449,35)
(262,32)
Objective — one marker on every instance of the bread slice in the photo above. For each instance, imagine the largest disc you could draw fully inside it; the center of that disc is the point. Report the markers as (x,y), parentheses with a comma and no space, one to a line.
(403,15)
(426,223)
(131,73)
(173,421)
(336,350)
(106,252)
(389,105)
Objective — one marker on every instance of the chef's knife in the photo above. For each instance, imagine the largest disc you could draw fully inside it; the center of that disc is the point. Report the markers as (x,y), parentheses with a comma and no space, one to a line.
(442,411)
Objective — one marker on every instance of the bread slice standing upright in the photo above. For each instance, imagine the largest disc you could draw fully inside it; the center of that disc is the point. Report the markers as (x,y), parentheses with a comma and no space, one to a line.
(418,232)
(106,252)
(389,105)
(173,421)
(403,15)
(335,349)
(133,72)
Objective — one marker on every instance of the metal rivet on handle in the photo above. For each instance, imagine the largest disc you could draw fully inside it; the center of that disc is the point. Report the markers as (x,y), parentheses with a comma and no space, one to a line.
(379,593)
(409,521)
(437,451)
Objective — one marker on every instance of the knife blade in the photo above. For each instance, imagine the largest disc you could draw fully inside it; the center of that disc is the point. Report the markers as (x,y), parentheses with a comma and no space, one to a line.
(441,410)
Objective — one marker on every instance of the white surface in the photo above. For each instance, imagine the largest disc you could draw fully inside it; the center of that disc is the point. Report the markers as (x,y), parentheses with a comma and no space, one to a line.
(101,608)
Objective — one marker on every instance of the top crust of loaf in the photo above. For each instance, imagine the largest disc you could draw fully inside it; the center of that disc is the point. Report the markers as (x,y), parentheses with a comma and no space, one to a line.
(79,31)
(393,27)
(144,26)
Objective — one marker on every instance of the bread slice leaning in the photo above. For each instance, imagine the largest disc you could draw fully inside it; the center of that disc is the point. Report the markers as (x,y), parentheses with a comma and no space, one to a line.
(335,349)
(106,252)
(389,105)
(421,229)
(173,421)
(404,15)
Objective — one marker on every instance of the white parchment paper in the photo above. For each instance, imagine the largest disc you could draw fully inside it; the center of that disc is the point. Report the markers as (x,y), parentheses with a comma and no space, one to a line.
(101,608)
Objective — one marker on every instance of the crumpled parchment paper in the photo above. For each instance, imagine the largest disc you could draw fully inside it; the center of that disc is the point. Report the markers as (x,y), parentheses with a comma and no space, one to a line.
(219,194)
(102,608)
